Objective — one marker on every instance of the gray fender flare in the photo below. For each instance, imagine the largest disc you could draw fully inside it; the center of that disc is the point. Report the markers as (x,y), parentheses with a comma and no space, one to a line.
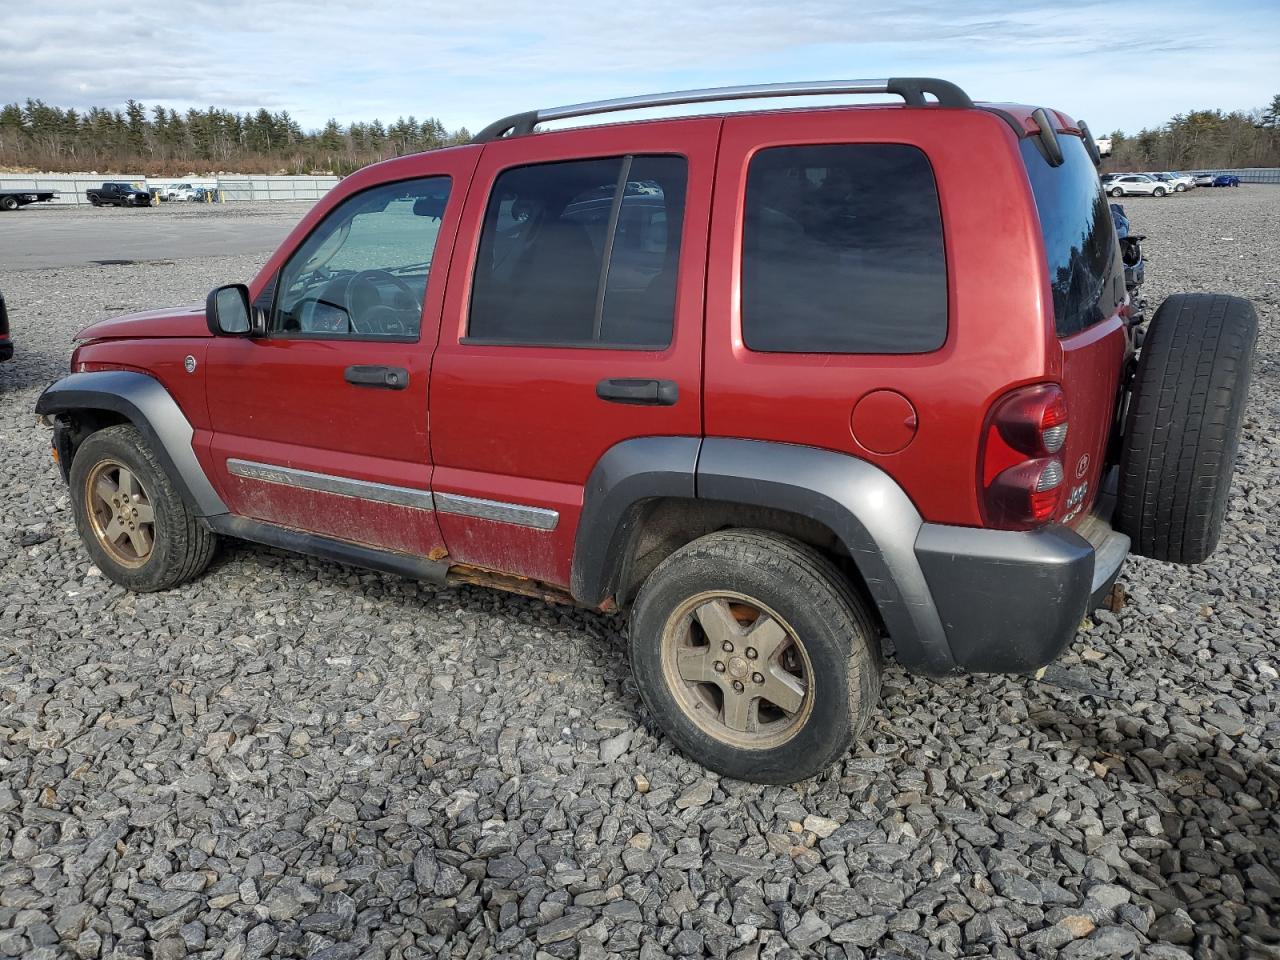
(628,474)
(152,410)
(862,505)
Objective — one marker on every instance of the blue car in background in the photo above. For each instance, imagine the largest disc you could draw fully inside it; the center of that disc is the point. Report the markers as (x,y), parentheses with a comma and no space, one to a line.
(1226,180)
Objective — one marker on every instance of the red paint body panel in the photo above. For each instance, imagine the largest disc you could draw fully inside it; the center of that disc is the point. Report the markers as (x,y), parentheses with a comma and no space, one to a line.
(169,322)
(284,401)
(999,335)
(514,416)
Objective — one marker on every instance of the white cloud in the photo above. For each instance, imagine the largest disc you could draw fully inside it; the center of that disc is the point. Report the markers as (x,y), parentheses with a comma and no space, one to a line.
(1114,63)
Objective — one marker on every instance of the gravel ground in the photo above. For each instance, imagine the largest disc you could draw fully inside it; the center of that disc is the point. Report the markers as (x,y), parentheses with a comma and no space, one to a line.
(294,758)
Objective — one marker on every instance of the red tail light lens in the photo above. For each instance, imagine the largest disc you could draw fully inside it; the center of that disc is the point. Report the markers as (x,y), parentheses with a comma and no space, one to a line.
(1021,472)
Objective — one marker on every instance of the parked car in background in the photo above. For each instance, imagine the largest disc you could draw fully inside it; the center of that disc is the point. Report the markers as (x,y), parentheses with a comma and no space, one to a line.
(118,194)
(1226,180)
(1104,146)
(1178,182)
(732,374)
(6,345)
(1204,179)
(179,191)
(1137,184)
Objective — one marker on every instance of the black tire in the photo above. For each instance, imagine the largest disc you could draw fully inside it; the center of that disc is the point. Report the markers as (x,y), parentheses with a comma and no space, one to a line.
(8,203)
(1180,188)
(1158,192)
(1183,425)
(182,545)
(1117,192)
(806,592)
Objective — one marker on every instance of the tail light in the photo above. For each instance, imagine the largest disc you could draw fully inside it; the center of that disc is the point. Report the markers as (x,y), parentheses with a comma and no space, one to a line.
(1021,464)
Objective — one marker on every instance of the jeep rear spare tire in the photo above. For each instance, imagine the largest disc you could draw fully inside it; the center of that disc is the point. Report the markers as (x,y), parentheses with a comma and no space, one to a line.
(755,655)
(1183,425)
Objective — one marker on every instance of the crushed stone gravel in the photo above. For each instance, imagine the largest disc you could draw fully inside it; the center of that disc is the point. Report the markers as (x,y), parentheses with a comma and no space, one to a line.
(293,758)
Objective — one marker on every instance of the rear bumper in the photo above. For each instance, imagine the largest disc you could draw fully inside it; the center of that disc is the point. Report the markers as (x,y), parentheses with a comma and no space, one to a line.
(1011,602)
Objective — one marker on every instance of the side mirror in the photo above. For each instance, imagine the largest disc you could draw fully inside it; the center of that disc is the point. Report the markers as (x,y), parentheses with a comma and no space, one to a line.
(227,311)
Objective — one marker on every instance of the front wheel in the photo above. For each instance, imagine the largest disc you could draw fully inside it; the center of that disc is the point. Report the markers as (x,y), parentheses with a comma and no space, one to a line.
(135,526)
(1159,192)
(755,655)
(1117,192)
(1180,188)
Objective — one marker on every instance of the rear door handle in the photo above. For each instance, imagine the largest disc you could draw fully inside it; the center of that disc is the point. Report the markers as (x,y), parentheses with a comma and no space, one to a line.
(386,378)
(654,393)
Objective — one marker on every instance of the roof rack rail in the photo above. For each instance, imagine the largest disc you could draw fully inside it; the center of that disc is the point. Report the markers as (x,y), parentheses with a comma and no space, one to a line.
(911,89)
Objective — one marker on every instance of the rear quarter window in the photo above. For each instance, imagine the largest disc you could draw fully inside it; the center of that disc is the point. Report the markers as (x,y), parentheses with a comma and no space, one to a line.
(843,251)
(1079,236)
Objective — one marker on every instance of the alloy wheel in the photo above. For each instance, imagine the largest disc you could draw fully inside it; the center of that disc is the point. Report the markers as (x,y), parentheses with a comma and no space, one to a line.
(121,513)
(737,670)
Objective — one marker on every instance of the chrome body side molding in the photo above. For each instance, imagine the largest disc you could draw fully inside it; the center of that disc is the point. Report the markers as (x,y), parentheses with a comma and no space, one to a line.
(539,518)
(328,483)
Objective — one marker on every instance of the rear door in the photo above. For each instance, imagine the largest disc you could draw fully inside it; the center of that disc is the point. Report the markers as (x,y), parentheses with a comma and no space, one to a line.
(573,322)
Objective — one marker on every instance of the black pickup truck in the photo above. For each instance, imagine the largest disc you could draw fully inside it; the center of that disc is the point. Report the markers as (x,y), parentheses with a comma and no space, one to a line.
(13,199)
(117,194)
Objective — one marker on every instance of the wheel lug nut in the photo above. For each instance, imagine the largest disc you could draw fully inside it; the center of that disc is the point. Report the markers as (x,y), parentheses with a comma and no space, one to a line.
(757,678)
(727,647)
(751,653)
(737,686)
(719,667)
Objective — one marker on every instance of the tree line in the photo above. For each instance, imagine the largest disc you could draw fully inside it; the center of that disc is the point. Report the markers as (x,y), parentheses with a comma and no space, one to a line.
(1202,140)
(158,141)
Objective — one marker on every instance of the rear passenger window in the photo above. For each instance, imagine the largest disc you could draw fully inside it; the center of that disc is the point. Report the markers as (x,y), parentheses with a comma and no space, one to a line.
(581,253)
(842,251)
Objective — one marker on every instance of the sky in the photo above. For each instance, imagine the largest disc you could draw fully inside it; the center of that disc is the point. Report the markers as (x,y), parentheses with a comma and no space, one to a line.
(1118,65)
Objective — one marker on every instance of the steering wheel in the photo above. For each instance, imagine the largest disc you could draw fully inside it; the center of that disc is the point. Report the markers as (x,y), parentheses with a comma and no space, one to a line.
(364,296)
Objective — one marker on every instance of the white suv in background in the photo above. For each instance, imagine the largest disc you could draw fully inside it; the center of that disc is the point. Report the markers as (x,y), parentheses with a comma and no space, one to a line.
(179,191)
(1136,184)
(1180,182)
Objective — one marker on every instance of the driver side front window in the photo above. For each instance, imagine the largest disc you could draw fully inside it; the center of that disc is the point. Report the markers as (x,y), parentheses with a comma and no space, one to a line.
(362,273)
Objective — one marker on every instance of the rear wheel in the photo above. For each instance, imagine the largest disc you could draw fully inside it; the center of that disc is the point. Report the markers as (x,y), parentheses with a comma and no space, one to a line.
(754,654)
(134,524)
(1117,192)
(8,203)
(1183,425)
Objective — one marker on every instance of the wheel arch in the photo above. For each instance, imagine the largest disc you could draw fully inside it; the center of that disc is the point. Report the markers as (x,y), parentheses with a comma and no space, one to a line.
(83,403)
(649,496)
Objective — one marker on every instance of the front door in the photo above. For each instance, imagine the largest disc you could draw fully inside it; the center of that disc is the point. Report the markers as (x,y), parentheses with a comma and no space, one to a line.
(573,323)
(321,425)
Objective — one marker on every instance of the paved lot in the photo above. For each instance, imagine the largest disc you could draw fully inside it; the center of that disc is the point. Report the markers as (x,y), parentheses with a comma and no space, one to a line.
(298,759)
(36,237)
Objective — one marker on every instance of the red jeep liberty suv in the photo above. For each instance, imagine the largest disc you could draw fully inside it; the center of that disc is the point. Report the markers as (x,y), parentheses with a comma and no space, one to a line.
(799,389)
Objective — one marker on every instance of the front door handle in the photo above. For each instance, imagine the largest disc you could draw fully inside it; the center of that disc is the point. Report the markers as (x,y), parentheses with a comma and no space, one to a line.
(386,378)
(654,393)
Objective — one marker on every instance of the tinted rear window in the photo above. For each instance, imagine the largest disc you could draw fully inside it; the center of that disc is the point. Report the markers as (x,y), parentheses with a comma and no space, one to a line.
(842,251)
(1079,237)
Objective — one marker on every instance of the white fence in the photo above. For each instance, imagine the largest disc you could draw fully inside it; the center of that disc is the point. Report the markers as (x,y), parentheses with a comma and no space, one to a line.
(71,187)
(275,188)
